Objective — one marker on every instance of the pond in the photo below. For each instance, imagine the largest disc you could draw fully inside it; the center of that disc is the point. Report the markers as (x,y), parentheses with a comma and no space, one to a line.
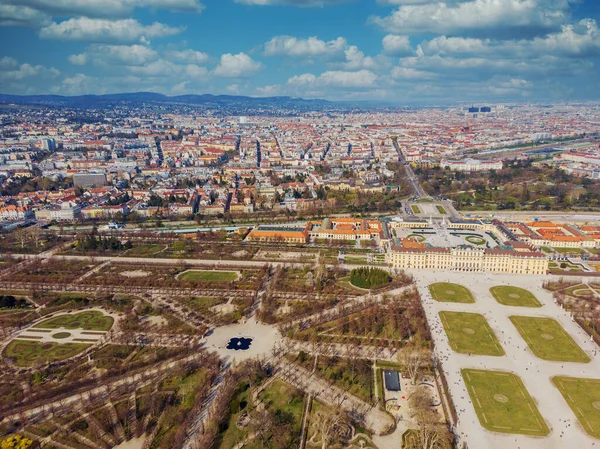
(239,344)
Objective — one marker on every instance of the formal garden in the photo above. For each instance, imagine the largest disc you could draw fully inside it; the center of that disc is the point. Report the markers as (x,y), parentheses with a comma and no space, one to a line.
(503,404)
(470,333)
(548,340)
(448,292)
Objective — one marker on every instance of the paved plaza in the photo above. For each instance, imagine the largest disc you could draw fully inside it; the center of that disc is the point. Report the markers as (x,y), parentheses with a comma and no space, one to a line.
(565,430)
(264,337)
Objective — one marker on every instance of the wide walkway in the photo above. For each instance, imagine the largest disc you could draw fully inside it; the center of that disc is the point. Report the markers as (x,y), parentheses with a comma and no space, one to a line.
(535,373)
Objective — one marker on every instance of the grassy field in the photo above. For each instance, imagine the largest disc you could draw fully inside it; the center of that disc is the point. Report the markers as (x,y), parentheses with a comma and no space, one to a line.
(475,240)
(441,209)
(415,209)
(568,250)
(503,404)
(25,353)
(91,320)
(447,292)
(470,333)
(209,275)
(514,296)
(583,396)
(548,340)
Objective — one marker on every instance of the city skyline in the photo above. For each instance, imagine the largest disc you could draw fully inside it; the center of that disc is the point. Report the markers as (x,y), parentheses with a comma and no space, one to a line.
(398,51)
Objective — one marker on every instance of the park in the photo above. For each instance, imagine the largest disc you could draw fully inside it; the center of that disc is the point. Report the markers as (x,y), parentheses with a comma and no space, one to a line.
(448,292)
(514,296)
(470,333)
(503,404)
(548,340)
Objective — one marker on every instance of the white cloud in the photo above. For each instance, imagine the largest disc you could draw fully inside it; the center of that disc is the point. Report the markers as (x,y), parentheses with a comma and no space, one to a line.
(24,78)
(269,91)
(191,56)
(336,79)
(291,2)
(396,45)
(103,8)
(236,66)
(19,15)
(115,55)
(410,73)
(106,31)
(79,84)
(295,47)
(356,59)
(489,17)
(8,63)
(233,88)
(576,40)
(79,59)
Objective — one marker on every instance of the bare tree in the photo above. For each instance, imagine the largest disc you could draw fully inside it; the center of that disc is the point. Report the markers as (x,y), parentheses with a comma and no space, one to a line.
(330,425)
(21,235)
(36,235)
(433,432)
(413,359)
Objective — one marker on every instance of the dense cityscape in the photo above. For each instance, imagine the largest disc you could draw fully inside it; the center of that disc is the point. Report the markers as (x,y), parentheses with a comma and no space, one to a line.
(176,277)
(299,224)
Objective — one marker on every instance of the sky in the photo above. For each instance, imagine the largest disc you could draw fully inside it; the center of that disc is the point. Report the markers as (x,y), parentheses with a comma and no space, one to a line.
(397,51)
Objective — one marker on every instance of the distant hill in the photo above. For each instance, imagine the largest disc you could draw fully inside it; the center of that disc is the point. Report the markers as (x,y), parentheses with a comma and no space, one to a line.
(206,100)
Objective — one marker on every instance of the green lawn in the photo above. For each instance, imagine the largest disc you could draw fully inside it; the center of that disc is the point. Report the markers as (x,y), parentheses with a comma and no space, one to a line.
(209,275)
(475,240)
(441,210)
(583,396)
(415,209)
(503,404)
(567,250)
(25,353)
(91,320)
(548,340)
(447,292)
(470,333)
(514,296)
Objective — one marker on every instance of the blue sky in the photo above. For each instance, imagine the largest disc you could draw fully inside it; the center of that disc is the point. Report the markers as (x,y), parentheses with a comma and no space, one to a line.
(431,51)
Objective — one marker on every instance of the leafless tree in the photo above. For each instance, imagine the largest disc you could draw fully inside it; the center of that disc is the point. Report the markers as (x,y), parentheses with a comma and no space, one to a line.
(413,359)
(433,434)
(21,235)
(329,425)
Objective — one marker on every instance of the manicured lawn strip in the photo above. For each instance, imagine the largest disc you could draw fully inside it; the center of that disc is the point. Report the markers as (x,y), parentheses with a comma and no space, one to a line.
(447,292)
(514,296)
(25,353)
(92,320)
(503,404)
(415,209)
(583,396)
(567,250)
(470,333)
(209,275)
(441,210)
(548,340)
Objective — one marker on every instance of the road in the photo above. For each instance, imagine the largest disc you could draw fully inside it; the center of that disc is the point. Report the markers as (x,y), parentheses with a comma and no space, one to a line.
(559,216)
(412,178)
(135,261)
